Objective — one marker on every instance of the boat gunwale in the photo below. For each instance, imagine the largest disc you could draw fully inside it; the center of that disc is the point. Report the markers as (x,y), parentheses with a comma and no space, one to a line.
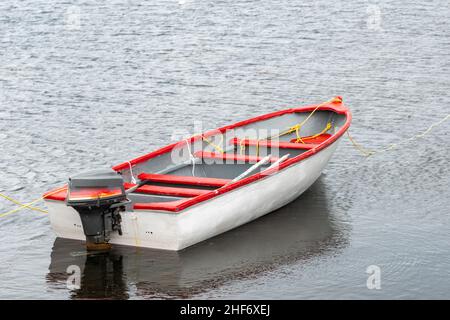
(335,105)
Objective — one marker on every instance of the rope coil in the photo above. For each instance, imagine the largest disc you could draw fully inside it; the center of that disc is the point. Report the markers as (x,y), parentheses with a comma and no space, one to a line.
(297,127)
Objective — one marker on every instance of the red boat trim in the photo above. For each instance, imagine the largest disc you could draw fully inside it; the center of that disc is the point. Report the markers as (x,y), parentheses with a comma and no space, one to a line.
(165,206)
(175,206)
(172,179)
(167,191)
(58,194)
(312,140)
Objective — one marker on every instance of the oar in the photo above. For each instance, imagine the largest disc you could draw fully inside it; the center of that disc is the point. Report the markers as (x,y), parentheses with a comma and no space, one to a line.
(276,163)
(138,185)
(260,163)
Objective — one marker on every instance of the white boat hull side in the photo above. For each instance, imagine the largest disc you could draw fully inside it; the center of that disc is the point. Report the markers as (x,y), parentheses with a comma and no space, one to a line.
(176,231)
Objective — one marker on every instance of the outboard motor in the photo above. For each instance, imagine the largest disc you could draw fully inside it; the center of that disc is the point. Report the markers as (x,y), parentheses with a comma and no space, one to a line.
(99,197)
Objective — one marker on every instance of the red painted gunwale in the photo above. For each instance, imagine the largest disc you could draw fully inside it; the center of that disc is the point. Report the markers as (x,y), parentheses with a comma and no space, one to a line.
(58,194)
(335,105)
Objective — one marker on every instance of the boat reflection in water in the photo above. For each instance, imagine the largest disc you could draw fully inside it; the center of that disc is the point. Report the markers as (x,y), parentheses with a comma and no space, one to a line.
(297,232)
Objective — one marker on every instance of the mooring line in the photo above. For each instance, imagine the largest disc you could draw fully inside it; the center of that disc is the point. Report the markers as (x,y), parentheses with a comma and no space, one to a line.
(364,151)
(29,204)
(21,204)
(369,152)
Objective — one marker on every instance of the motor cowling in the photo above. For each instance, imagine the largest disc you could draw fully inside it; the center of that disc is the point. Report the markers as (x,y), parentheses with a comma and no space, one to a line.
(99,197)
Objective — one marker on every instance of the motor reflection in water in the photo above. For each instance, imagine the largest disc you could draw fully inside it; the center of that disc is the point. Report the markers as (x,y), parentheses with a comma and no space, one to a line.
(297,232)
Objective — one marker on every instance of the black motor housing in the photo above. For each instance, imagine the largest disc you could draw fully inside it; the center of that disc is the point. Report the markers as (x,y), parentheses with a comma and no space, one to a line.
(99,197)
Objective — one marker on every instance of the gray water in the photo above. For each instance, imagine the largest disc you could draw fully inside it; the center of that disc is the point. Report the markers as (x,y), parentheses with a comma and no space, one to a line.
(85,85)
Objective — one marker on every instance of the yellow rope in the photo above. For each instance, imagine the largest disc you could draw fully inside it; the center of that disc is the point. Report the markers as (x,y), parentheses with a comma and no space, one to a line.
(302,139)
(365,152)
(297,133)
(368,153)
(21,204)
(218,148)
(28,205)
(242,146)
(297,127)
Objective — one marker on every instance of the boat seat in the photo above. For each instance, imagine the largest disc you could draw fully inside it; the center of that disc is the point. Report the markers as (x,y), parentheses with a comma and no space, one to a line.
(272,144)
(167,191)
(231,157)
(313,140)
(185,180)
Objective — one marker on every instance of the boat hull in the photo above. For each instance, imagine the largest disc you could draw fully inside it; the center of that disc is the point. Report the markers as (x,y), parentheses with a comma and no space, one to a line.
(176,231)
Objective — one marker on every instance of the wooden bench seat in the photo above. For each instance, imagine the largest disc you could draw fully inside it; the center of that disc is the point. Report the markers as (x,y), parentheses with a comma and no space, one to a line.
(167,191)
(185,180)
(313,140)
(272,144)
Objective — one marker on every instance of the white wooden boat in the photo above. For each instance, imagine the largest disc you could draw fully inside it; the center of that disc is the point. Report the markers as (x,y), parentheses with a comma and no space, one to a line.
(303,230)
(202,186)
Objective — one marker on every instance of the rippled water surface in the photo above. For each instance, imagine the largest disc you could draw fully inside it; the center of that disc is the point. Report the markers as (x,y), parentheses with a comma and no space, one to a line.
(85,84)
